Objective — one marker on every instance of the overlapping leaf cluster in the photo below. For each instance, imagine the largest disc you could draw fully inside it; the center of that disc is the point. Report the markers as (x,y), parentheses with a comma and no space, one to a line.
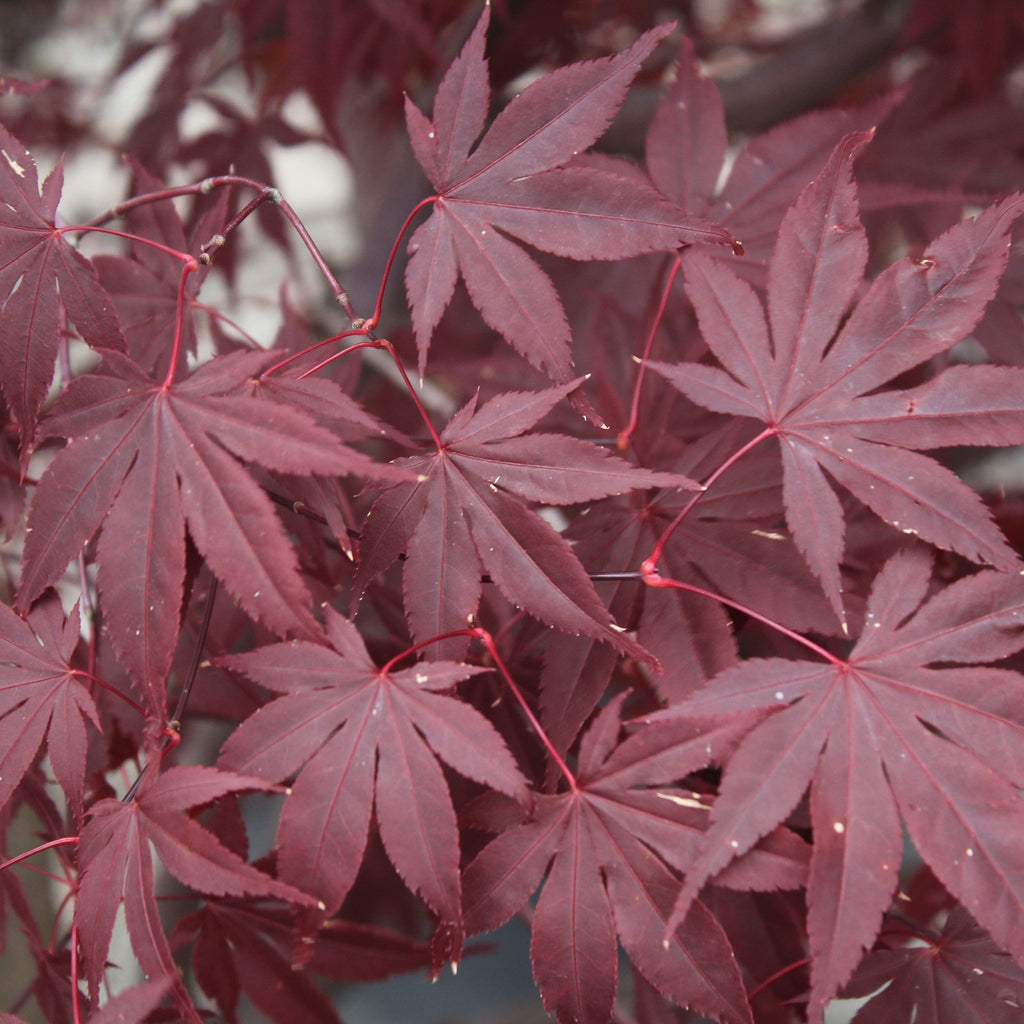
(738,696)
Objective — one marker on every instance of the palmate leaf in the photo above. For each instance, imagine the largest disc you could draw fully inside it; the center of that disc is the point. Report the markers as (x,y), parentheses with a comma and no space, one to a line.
(145,460)
(687,146)
(962,975)
(612,842)
(727,543)
(116,864)
(236,951)
(40,275)
(359,737)
(244,948)
(515,183)
(42,695)
(464,517)
(881,736)
(822,399)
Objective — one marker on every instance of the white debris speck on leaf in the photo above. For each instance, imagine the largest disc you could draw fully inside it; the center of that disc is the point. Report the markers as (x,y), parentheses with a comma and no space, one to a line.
(430,135)
(970,852)
(13,164)
(838,827)
(421,678)
(734,843)
(779,695)
(684,801)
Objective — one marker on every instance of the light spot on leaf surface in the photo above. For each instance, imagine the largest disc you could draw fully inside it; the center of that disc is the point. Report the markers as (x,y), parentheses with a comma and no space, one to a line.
(838,827)
(13,164)
(684,801)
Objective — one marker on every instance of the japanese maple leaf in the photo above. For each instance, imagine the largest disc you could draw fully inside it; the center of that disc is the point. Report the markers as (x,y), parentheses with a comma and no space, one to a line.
(360,737)
(133,1005)
(42,695)
(687,148)
(727,544)
(985,39)
(42,276)
(882,735)
(959,975)
(935,147)
(462,518)
(240,947)
(145,459)
(514,183)
(233,954)
(117,865)
(820,393)
(612,841)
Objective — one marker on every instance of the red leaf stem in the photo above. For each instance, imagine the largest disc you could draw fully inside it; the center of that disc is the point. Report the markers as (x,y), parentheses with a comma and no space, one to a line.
(63,841)
(634,414)
(374,320)
(652,578)
(488,641)
(651,562)
(360,332)
(179,321)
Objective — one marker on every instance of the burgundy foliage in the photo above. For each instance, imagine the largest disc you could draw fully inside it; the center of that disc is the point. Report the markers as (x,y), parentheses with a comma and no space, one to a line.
(676,608)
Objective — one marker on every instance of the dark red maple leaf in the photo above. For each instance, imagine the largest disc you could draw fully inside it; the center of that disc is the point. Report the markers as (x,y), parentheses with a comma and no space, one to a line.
(145,459)
(933,147)
(960,975)
(463,518)
(41,275)
(116,864)
(612,841)
(361,737)
(728,544)
(234,954)
(242,948)
(133,1005)
(985,39)
(818,392)
(42,695)
(881,735)
(515,182)
(392,44)
(687,146)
